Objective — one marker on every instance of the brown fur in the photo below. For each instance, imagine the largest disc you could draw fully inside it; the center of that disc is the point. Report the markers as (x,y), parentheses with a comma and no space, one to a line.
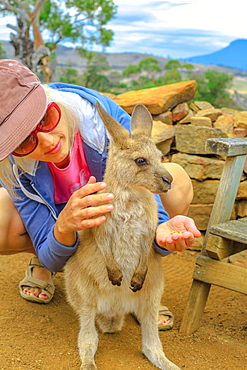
(116,270)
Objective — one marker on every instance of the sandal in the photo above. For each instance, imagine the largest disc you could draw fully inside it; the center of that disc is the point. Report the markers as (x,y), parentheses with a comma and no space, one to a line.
(30,281)
(163,310)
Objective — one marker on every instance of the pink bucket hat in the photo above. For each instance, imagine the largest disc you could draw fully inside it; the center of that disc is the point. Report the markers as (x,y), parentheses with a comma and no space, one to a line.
(23,102)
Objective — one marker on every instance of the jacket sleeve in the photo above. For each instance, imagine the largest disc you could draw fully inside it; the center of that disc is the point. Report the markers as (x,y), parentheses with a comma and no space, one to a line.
(39,220)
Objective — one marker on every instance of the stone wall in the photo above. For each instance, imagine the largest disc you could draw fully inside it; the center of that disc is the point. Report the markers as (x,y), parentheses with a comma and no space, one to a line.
(180,131)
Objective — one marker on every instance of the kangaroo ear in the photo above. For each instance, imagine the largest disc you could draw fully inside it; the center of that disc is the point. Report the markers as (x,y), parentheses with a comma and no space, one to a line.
(141,120)
(118,133)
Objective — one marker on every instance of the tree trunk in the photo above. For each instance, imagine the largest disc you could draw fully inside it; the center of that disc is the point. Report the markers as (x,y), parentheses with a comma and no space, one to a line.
(24,47)
(41,48)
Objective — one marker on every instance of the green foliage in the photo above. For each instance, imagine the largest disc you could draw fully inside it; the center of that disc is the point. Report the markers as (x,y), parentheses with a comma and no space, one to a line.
(149,64)
(93,77)
(172,64)
(145,71)
(83,22)
(2,51)
(57,24)
(68,75)
(132,69)
(188,66)
(171,76)
(212,87)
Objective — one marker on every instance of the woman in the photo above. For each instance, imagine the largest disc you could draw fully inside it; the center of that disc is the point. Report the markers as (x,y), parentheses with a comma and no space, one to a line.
(53,148)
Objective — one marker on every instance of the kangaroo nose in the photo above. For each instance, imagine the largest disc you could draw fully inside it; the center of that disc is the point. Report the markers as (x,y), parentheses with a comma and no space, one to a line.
(167,181)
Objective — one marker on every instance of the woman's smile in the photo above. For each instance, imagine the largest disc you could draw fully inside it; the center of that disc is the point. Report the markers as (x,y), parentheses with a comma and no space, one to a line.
(55,149)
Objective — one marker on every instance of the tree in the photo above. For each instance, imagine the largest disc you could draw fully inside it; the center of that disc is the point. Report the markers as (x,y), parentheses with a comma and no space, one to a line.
(151,66)
(69,75)
(132,69)
(212,87)
(93,77)
(188,67)
(27,14)
(170,76)
(172,64)
(82,21)
(145,71)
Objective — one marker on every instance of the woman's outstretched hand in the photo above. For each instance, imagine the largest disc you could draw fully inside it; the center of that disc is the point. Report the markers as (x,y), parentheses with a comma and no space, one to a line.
(177,234)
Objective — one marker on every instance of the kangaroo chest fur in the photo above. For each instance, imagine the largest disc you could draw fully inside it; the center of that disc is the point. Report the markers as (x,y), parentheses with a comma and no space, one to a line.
(130,228)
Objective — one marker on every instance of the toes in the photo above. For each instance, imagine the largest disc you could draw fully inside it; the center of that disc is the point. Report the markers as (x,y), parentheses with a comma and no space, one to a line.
(43,296)
(164,320)
(35,292)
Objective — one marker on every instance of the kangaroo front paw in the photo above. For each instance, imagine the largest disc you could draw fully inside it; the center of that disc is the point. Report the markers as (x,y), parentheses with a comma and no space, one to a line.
(137,282)
(115,276)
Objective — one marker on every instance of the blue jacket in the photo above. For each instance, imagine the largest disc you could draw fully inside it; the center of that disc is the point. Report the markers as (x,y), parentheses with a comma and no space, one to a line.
(36,204)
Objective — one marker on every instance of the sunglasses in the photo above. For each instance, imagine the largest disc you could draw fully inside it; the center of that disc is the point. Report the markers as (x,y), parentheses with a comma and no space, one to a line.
(48,123)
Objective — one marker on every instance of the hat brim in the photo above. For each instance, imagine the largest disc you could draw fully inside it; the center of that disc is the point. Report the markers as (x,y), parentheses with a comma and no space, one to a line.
(22,121)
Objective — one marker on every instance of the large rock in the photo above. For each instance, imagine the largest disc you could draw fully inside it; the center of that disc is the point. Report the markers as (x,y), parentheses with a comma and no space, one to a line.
(199,168)
(240,119)
(212,113)
(202,105)
(165,117)
(242,190)
(200,214)
(242,208)
(225,123)
(179,112)
(191,139)
(201,121)
(163,136)
(187,118)
(158,99)
(162,132)
(204,191)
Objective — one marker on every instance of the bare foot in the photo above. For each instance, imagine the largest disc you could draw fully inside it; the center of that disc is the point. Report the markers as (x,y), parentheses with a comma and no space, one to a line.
(166,318)
(163,319)
(39,273)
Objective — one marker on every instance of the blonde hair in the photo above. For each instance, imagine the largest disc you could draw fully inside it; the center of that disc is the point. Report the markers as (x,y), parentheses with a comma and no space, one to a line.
(70,111)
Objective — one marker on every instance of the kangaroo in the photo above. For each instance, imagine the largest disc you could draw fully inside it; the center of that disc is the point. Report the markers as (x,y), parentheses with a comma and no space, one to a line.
(116,269)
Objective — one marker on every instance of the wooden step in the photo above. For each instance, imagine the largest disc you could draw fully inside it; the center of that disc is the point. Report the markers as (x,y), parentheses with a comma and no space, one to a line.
(234,230)
(221,273)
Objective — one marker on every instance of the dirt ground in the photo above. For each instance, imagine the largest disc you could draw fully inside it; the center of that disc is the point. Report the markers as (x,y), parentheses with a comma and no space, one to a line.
(34,336)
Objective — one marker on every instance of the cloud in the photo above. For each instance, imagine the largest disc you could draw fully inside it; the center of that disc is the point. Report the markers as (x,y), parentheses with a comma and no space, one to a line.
(4,30)
(176,28)
(172,42)
(141,11)
(127,18)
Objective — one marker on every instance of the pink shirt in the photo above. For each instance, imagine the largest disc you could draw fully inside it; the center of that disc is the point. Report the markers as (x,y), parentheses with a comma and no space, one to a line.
(71,178)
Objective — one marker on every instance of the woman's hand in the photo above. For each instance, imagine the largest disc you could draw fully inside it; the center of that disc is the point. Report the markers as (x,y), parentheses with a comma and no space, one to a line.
(177,234)
(80,212)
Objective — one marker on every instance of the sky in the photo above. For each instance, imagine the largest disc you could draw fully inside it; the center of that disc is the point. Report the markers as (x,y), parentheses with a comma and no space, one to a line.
(177,28)
(173,29)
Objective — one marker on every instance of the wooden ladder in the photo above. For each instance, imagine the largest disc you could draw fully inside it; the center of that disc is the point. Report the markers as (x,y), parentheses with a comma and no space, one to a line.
(223,238)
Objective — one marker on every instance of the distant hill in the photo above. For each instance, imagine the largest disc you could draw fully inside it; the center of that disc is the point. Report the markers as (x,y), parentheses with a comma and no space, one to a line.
(234,56)
(70,57)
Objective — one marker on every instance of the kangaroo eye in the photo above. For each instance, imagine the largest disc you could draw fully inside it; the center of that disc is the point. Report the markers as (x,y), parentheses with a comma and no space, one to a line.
(140,161)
